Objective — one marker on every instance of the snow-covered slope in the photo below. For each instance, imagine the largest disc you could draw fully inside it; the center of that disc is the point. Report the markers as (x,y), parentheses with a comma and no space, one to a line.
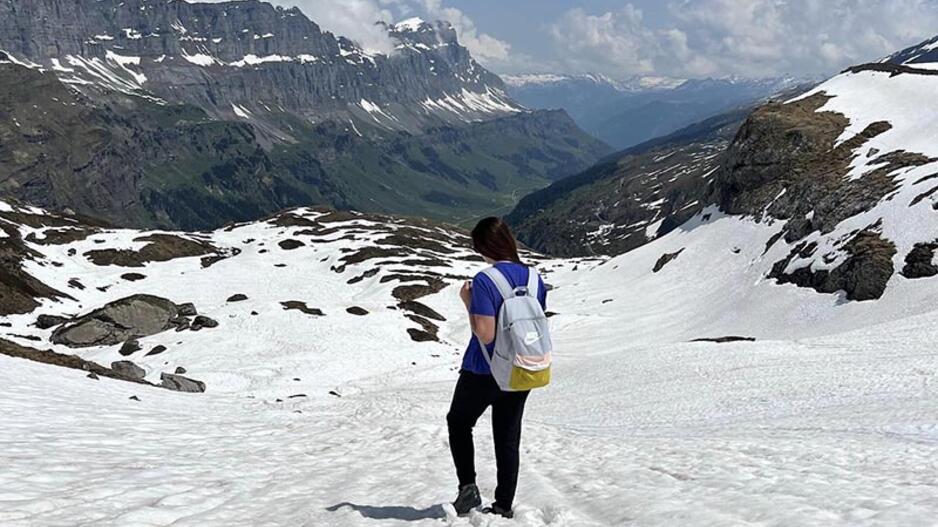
(830,417)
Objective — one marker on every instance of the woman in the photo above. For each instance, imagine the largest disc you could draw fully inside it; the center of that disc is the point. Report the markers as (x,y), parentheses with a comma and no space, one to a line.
(476,389)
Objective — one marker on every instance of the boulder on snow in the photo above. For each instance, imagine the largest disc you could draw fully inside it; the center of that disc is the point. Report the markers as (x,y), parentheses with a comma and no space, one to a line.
(129,369)
(179,383)
(49,321)
(116,322)
(203,321)
(290,244)
(130,347)
(239,297)
(187,310)
(355,310)
(156,350)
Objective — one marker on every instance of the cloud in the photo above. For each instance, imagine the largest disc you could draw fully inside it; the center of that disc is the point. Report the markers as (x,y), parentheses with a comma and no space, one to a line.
(752,38)
(485,48)
(354,19)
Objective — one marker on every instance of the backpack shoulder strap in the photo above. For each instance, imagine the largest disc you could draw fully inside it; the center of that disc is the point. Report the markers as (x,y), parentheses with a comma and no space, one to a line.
(501,283)
(533,282)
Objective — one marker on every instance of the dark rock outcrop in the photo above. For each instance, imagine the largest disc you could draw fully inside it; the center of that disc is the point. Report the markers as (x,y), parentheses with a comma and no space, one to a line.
(919,263)
(302,307)
(862,276)
(161,248)
(355,310)
(665,260)
(74,362)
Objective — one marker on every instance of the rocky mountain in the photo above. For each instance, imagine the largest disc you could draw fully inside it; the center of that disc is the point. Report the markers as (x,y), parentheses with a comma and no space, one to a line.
(629,199)
(841,176)
(194,115)
(628,113)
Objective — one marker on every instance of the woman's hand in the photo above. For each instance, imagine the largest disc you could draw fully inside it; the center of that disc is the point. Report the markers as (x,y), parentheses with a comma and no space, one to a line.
(466,293)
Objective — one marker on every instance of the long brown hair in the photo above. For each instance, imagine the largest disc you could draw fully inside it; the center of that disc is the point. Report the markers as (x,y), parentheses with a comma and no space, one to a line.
(492,238)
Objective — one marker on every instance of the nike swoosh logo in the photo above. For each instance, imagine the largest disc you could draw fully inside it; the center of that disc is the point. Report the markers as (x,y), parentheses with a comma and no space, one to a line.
(531,339)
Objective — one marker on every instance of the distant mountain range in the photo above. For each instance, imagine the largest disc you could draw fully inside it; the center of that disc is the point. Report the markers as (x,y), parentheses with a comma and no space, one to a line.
(178,114)
(627,113)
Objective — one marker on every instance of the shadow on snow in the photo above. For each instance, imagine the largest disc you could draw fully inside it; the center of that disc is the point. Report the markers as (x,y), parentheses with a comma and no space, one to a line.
(393,512)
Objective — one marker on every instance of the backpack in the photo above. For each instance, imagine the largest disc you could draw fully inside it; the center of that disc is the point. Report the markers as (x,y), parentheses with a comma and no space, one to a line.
(521,360)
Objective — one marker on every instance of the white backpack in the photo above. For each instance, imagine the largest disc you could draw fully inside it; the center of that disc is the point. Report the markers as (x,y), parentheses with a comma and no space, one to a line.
(521,360)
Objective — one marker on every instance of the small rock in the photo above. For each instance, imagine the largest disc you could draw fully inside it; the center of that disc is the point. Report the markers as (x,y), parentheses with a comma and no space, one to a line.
(129,369)
(335,393)
(76,284)
(179,383)
(93,376)
(180,370)
(187,310)
(296,396)
(49,321)
(237,298)
(129,348)
(254,313)
(134,398)
(355,310)
(133,277)
(156,350)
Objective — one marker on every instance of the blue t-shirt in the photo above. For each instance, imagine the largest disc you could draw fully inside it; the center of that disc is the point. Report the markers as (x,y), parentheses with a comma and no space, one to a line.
(486,301)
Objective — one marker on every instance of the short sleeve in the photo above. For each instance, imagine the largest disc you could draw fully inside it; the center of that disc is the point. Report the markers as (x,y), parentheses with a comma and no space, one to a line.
(483,296)
(542,293)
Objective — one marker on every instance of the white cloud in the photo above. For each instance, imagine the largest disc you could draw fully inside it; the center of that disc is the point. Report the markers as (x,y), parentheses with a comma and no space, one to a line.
(485,48)
(741,37)
(354,19)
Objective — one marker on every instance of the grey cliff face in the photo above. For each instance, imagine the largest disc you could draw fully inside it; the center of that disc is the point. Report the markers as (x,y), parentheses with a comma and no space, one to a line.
(252,61)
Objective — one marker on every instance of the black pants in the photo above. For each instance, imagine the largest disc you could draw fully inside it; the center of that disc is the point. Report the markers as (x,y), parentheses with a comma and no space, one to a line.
(474,393)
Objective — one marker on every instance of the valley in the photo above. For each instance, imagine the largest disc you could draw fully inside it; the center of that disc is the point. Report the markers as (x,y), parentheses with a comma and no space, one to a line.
(232,245)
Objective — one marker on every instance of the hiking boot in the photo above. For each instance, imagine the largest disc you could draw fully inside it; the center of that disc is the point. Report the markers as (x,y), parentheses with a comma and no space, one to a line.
(499,510)
(467,500)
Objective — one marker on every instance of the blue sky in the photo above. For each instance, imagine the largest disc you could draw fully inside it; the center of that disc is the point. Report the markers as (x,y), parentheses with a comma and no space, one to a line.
(668,38)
